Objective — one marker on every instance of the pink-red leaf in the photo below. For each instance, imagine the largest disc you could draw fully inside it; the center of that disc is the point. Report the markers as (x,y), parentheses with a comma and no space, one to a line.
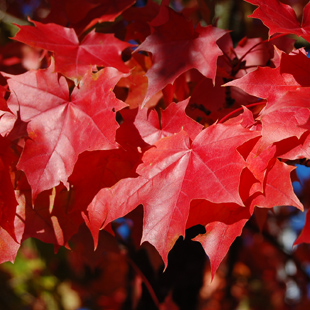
(173,173)
(278,191)
(60,128)
(72,57)
(9,245)
(288,117)
(147,125)
(272,83)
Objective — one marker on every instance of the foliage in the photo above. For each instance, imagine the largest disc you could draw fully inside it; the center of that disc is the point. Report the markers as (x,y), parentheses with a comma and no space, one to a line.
(118,106)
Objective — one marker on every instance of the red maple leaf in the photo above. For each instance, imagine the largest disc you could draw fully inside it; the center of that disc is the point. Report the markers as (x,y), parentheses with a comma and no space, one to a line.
(223,224)
(177,47)
(99,169)
(281,18)
(299,149)
(287,117)
(173,173)
(9,245)
(144,124)
(51,218)
(72,57)
(136,82)
(278,191)
(61,127)
(272,83)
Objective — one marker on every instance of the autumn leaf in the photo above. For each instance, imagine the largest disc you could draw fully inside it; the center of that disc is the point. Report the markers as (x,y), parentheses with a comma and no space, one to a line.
(177,47)
(62,127)
(281,18)
(50,218)
(98,169)
(72,57)
(144,124)
(223,224)
(272,83)
(278,191)
(9,245)
(286,118)
(173,173)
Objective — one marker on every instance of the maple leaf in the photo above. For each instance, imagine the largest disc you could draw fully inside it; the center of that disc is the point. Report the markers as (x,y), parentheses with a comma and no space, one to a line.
(50,218)
(296,149)
(9,245)
(265,83)
(272,83)
(136,82)
(60,128)
(7,121)
(258,163)
(281,18)
(177,47)
(287,117)
(99,169)
(173,173)
(278,191)
(223,224)
(144,124)
(73,58)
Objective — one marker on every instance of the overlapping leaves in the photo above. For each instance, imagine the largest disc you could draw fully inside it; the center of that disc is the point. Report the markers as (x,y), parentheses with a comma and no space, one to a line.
(87,157)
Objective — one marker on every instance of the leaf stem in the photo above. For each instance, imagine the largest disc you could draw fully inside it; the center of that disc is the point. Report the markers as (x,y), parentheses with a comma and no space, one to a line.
(238,110)
(257,44)
(145,280)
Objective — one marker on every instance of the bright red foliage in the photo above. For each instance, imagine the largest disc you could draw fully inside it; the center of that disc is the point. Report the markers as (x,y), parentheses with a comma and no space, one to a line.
(74,58)
(106,126)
